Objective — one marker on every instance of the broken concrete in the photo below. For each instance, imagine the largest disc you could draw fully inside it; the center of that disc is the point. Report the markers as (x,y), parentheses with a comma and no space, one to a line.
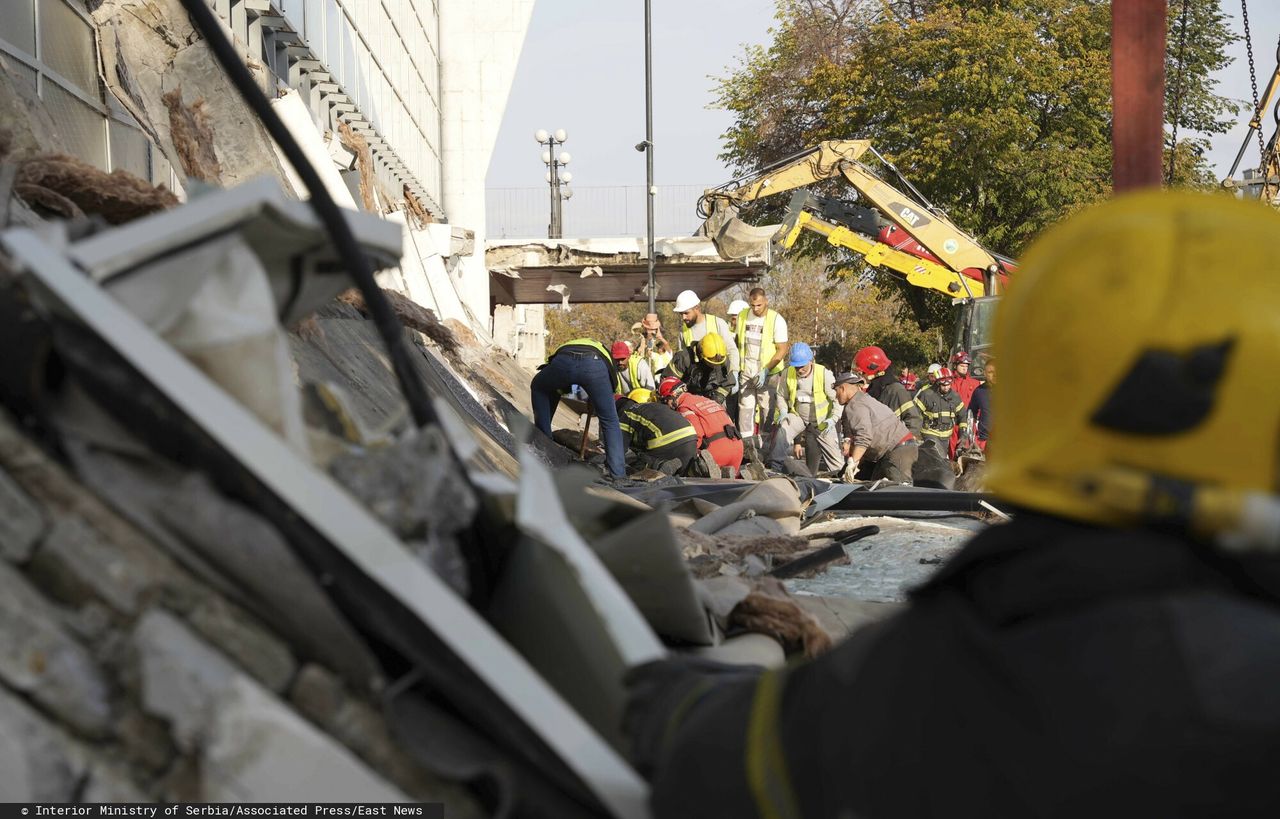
(21,524)
(149,49)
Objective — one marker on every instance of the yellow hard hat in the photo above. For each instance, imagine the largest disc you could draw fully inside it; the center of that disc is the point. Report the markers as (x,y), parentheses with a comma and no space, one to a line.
(1167,304)
(640,395)
(712,349)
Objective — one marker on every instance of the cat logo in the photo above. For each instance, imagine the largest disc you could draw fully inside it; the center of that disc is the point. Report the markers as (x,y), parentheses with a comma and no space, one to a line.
(910,216)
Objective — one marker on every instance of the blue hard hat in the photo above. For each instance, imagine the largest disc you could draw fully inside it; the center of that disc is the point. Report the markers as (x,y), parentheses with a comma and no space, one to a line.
(800,355)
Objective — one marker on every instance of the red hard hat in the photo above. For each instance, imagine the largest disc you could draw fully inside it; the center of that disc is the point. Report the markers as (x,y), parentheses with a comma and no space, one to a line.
(670,386)
(870,360)
(909,380)
(621,350)
(961,357)
(945,375)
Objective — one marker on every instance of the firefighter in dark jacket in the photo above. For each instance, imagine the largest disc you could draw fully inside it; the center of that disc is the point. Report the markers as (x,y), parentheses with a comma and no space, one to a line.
(1111,651)
(943,412)
(704,368)
(884,386)
(661,438)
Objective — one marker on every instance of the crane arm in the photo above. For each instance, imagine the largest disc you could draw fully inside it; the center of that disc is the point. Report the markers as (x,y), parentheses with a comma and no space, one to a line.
(827,160)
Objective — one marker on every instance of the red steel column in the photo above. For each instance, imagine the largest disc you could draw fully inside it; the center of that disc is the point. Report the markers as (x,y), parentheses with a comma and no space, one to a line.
(1137,93)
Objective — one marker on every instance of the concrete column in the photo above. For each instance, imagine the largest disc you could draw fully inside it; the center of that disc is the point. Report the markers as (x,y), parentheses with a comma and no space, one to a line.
(480,43)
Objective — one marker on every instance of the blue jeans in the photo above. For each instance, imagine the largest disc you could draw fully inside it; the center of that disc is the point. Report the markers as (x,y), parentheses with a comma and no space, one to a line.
(567,368)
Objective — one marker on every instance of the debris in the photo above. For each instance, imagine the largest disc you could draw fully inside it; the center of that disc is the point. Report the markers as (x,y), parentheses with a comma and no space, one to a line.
(71,188)
(414,207)
(411,315)
(191,130)
(778,616)
(358,145)
(817,560)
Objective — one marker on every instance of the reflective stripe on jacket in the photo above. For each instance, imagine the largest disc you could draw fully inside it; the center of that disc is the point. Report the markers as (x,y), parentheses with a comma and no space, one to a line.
(767,346)
(821,403)
(650,426)
(942,413)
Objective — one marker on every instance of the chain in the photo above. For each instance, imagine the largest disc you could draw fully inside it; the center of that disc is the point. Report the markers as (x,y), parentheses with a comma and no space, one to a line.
(1178,90)
(1253,75)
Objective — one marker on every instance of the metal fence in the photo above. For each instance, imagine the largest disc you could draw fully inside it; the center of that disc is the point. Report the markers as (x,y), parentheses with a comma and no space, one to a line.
(524,213)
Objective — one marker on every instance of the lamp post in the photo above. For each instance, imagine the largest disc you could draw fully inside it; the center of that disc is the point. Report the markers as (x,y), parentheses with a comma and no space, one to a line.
(555,176)
(647,146)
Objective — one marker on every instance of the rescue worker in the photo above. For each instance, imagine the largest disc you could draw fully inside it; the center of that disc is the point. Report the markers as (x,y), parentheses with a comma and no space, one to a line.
(716,433)
(963,383)
(806,401)
(586,363)
(661,438)
(761,336)
(632,367)
(696,324)
(1111,651)
(704,368)
(652,346)
(876,442)
(932,374)
(980,406)
(882,384)
(909,380)
(943,413)
(735,309)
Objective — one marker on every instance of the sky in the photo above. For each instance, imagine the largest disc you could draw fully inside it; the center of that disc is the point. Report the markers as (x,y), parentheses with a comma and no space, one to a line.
(582,69)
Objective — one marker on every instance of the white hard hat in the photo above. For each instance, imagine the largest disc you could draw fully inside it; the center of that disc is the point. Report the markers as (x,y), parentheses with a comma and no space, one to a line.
(934,369)
(687,300)
(736,307)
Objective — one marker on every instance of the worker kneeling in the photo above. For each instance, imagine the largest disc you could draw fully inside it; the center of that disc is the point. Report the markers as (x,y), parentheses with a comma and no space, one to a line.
(717,436)
(660,437)
(807,399)
(877,445)
(704,368)
(1111,651)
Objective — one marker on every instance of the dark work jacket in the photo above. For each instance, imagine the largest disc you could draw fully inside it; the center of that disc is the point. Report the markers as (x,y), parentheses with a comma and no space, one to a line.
(1049,669)
(710,380)
(980,408)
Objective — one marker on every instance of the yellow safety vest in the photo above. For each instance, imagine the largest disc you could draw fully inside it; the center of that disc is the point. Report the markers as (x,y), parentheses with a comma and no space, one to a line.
(767,348)
(604,354)
(821,404)
(633,370)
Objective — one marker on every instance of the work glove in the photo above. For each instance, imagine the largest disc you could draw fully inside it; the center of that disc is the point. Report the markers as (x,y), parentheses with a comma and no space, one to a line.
(663,691)
(762,379)
(849,475)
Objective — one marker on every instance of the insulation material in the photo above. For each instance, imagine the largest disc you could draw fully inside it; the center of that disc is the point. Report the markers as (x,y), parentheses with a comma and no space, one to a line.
(192,134)
(411,315)
(214,304)
(364,164)
(297,119)
(71,188)
(772,507)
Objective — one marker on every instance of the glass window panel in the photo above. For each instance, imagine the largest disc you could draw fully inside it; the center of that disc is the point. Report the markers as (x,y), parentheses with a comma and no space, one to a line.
(129,150)
(66,45)
(83,130)
(22,72)
(19,28)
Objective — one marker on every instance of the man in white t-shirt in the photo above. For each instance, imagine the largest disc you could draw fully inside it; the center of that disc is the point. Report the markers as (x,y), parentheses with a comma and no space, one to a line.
(696,323)
(762,353)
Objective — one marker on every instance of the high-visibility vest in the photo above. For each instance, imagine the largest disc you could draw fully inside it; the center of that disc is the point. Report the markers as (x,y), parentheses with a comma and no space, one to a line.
(767,348)
(712,323)
(821,403)
(633,370)
(604,354)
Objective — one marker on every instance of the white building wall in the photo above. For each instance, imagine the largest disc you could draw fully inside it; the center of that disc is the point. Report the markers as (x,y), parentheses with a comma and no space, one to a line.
(481,42)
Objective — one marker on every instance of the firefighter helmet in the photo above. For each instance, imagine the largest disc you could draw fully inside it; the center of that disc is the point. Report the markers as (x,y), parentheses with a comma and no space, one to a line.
(944,376)
(801,355)
(909,380)
(871,360)
(1170,299)
(671,387)
(641,395)
(712,349)
(620,350)
(960,357)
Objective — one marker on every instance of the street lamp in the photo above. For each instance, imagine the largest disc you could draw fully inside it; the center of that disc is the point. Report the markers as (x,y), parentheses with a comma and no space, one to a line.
(555,176)
(647,147)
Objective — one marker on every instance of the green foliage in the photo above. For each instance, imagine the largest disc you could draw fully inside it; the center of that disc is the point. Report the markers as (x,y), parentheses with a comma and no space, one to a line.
(999,110)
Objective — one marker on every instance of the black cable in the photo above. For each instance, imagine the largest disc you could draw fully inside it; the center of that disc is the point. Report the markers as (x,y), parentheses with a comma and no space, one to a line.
(330,215)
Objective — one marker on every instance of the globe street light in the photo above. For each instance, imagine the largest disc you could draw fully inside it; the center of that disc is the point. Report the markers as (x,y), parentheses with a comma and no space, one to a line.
(555,176)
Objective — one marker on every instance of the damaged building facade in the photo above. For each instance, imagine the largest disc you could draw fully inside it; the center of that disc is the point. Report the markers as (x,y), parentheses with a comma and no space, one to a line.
(399,103)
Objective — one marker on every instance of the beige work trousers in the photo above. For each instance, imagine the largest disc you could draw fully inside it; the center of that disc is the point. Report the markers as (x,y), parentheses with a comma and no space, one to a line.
(751,398)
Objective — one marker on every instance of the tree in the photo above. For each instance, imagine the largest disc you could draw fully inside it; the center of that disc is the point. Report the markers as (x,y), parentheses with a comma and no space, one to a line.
(999,110)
